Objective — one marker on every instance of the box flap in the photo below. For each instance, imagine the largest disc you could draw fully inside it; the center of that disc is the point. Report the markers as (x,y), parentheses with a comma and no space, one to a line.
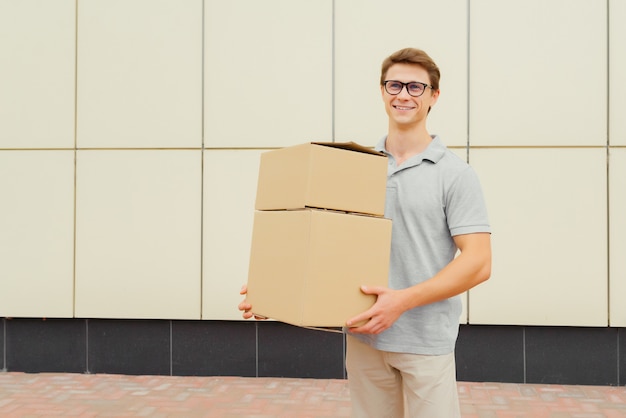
(350,146)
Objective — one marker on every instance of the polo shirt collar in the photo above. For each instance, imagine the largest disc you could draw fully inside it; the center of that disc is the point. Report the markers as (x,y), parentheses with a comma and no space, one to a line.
(433,153)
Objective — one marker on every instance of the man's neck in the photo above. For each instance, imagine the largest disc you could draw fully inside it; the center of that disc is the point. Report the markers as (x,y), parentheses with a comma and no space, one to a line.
(404,144)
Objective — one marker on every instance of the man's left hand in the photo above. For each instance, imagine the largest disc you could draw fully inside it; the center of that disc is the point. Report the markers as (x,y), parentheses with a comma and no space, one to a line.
(387,309)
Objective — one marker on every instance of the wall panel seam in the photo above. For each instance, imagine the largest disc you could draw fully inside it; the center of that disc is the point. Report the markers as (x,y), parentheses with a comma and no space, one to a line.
(75,157)
(202,163)
(332,76)
(467,130)
(608,177)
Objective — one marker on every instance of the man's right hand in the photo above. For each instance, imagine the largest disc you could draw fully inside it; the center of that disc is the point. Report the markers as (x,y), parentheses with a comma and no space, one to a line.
(245,307)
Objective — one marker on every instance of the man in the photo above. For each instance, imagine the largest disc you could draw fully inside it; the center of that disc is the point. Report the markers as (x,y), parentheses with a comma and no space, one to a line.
(400,363)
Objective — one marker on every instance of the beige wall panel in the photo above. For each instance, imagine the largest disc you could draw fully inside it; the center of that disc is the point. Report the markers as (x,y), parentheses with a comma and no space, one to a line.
(139,73)
(528,82)
(617,237)
(268,72)
(37,238)
(548,213)
(230,181)
(367,32)
(138,240)
(37,49)
(617,72)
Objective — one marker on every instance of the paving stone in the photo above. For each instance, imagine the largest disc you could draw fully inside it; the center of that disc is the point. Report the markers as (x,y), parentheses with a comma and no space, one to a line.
(103,395)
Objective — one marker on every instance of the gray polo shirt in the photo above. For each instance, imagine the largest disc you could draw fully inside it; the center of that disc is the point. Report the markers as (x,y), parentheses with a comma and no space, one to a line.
(431,197)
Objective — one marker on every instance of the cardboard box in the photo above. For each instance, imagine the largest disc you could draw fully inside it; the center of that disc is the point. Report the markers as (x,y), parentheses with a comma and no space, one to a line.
(339,176)
(307,266)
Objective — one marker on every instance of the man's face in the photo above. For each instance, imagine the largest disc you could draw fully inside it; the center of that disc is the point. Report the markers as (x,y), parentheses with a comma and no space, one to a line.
(403,109)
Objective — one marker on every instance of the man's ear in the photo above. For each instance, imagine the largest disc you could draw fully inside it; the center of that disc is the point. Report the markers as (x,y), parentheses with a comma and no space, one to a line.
(435,96)
(433,99)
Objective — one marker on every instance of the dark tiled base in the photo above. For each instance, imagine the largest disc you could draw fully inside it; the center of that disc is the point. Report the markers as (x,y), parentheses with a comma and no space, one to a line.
(53,345)
(490,354)
(3,366)
(559,355)
(214,348)
(547,355)
(129,347)
(289,351)
(585,356)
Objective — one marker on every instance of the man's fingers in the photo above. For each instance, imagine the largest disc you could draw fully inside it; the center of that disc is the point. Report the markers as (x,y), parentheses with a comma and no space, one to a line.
(372,290)
(363,329)
(362,317)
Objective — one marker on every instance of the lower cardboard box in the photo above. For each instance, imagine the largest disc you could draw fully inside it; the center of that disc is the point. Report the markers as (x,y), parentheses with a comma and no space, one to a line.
(307,266)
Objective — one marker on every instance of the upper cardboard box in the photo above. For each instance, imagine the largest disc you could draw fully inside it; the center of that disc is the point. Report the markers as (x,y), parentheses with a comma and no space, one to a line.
(340,176)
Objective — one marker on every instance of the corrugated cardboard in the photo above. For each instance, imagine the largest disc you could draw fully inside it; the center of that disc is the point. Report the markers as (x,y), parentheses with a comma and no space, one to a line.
(307,266)
(339,176)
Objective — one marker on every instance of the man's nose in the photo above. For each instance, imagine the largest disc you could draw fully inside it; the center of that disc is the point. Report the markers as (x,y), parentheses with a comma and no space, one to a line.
(404,91)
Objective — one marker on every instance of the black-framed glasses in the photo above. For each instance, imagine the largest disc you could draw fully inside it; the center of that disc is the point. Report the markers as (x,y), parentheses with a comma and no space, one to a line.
(414,88)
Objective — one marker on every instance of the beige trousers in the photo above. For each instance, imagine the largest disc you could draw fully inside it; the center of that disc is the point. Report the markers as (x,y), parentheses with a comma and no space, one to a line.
(397,385)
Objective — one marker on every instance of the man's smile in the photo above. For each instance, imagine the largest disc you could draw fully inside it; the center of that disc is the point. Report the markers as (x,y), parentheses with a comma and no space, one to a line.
(403,107)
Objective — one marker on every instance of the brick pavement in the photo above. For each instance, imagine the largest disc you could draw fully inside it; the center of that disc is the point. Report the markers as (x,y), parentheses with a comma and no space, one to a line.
(500,400)
(79,395)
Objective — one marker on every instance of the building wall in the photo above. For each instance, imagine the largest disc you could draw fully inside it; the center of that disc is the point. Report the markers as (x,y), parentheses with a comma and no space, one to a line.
(131,131)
